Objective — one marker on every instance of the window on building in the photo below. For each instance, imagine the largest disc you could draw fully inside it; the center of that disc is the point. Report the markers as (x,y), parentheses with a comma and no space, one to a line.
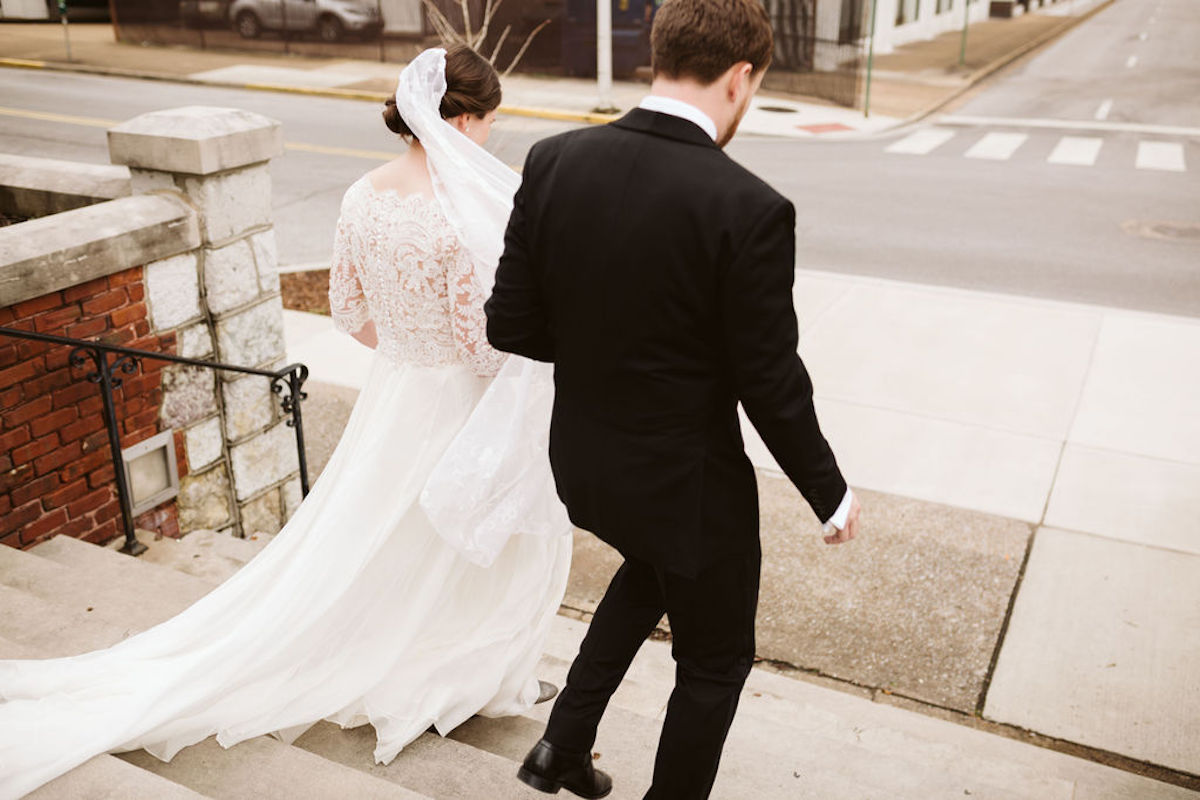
(907,11)
(943,6)
(853,23)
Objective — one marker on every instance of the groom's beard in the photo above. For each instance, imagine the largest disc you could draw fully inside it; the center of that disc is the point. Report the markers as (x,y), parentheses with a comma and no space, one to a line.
(737,119)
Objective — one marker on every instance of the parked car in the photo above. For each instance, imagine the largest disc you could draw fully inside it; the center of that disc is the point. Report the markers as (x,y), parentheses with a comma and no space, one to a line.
(331,20)
(204,12)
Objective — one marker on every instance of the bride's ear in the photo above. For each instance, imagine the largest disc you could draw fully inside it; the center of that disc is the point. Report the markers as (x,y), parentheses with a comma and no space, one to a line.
(462,122)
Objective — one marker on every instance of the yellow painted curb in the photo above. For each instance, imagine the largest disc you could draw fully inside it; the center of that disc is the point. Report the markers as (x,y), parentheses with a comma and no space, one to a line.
(589,117)
(310,91)
(22,63)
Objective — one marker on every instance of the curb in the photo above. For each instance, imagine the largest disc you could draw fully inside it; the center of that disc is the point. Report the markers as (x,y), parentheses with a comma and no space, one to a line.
(589,118)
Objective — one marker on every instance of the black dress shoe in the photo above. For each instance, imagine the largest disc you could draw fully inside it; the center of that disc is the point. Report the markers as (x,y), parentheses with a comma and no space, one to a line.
(549,769)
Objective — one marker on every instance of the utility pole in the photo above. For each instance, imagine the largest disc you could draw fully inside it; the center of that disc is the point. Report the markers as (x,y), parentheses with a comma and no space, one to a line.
(870,61)
(604,56)
(962,50)
(382,49)
(62,13)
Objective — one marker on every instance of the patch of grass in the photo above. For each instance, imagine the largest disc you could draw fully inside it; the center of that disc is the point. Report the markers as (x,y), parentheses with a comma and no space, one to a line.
(306,291)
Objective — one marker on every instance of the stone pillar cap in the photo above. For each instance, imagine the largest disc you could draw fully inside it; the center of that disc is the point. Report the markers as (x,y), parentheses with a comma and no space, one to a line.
(195,140)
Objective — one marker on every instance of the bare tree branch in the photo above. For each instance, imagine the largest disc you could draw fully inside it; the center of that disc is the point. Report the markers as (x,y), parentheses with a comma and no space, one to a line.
(466,14)
(500,43)
(448,32)
(489,12)
(525,47)
(441,25)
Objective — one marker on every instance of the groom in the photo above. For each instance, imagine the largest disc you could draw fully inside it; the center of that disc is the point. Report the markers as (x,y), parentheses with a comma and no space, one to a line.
(656,274)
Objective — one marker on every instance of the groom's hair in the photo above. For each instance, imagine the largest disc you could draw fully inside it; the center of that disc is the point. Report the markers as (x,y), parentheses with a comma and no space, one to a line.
(701,39)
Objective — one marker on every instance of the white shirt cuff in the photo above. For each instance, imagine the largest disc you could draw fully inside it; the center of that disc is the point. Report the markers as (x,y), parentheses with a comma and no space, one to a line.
(838,520)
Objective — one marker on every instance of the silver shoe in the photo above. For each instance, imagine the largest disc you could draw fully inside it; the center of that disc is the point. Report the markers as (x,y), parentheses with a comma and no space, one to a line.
(546,691)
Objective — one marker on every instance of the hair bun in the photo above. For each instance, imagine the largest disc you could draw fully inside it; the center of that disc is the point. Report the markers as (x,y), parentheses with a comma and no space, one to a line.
(472,87)
(392,118)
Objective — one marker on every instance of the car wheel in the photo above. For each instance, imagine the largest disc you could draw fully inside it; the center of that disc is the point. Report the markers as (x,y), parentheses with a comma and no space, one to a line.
(248,25)
(330,29)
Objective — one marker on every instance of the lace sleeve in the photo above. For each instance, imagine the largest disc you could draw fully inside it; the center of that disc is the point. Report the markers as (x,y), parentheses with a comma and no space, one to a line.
(467,318)
(347,302)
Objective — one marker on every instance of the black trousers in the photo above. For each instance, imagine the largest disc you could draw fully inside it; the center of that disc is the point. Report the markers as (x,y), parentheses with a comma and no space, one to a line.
(712,629)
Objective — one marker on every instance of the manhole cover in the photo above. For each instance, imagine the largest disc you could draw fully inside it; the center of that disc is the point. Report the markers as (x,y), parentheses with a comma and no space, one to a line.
(1170,231)
(778,109)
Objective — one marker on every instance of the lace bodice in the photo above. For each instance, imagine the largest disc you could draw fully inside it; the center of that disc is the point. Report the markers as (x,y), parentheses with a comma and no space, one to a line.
(397,261)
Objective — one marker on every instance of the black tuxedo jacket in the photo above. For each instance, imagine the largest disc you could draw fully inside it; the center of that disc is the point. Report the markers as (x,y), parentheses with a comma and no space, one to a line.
(656,274)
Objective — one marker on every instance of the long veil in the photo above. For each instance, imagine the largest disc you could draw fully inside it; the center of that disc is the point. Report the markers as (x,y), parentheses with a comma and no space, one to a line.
(494,480)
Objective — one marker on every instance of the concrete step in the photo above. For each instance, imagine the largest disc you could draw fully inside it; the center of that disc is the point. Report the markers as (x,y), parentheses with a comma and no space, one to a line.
(445,769)
(41,627)
(107,562)
(208,555)
(48,629)
(33,627)
(110,778)
(82,577)
(266,767)
(825,735)
(763,761)
(11,649)
(792,738)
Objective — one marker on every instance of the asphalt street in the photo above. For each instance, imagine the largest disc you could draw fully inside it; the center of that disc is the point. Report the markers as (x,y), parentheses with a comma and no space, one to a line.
(1137,61)
(1106,231)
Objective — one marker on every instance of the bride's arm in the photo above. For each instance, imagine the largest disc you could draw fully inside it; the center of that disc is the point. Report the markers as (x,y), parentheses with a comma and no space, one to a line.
(467,318)
(517,319)
(347,301)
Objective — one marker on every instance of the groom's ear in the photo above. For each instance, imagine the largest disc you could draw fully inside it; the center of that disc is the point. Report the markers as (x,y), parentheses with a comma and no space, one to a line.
(738,80)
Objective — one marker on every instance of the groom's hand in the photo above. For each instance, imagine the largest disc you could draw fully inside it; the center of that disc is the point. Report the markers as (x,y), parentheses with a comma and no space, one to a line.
(851,530)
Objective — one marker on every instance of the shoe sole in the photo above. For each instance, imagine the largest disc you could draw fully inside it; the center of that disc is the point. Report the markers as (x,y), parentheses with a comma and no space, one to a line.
(552,787)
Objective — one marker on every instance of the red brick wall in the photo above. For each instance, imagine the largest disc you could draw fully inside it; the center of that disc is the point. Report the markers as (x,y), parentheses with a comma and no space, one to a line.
(56,471)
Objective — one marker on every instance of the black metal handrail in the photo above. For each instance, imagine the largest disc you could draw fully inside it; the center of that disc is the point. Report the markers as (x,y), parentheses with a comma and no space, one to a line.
(106,374)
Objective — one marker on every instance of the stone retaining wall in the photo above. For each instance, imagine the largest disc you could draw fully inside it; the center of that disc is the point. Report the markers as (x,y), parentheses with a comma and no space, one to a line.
(184,266)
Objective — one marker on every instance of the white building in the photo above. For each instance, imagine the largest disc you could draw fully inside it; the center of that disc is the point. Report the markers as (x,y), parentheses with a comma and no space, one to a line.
(897,22)
(24,9)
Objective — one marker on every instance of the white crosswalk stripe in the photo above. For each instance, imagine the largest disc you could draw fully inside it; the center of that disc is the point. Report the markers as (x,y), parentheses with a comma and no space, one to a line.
(997,146)
(922,142)
(1166,156)
(1031,145)
(1076,150)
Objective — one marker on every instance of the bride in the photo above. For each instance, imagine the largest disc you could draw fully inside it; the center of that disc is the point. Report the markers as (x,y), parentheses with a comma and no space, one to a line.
(404,592)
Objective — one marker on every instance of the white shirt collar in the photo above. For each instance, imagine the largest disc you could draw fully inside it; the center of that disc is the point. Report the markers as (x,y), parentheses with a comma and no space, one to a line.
(678,108)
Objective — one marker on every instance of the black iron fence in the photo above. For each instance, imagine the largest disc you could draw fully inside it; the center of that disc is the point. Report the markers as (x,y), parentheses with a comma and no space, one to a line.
(827,61)
(287,382)
(392,31)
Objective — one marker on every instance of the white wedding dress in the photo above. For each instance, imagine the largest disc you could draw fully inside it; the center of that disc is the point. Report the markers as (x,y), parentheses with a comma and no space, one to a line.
(358,611)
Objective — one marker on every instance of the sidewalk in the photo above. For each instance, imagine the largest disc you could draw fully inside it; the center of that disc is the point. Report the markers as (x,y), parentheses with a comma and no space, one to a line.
(1030,476)
(907,83)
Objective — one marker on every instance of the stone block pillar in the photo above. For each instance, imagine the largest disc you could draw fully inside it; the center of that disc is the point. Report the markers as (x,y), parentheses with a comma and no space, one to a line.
(225,304)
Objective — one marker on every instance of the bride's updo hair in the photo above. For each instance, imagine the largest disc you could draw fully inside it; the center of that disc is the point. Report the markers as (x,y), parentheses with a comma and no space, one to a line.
(472,87)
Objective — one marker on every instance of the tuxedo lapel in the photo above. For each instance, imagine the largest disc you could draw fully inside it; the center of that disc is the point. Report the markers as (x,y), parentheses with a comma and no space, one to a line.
(665,125)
